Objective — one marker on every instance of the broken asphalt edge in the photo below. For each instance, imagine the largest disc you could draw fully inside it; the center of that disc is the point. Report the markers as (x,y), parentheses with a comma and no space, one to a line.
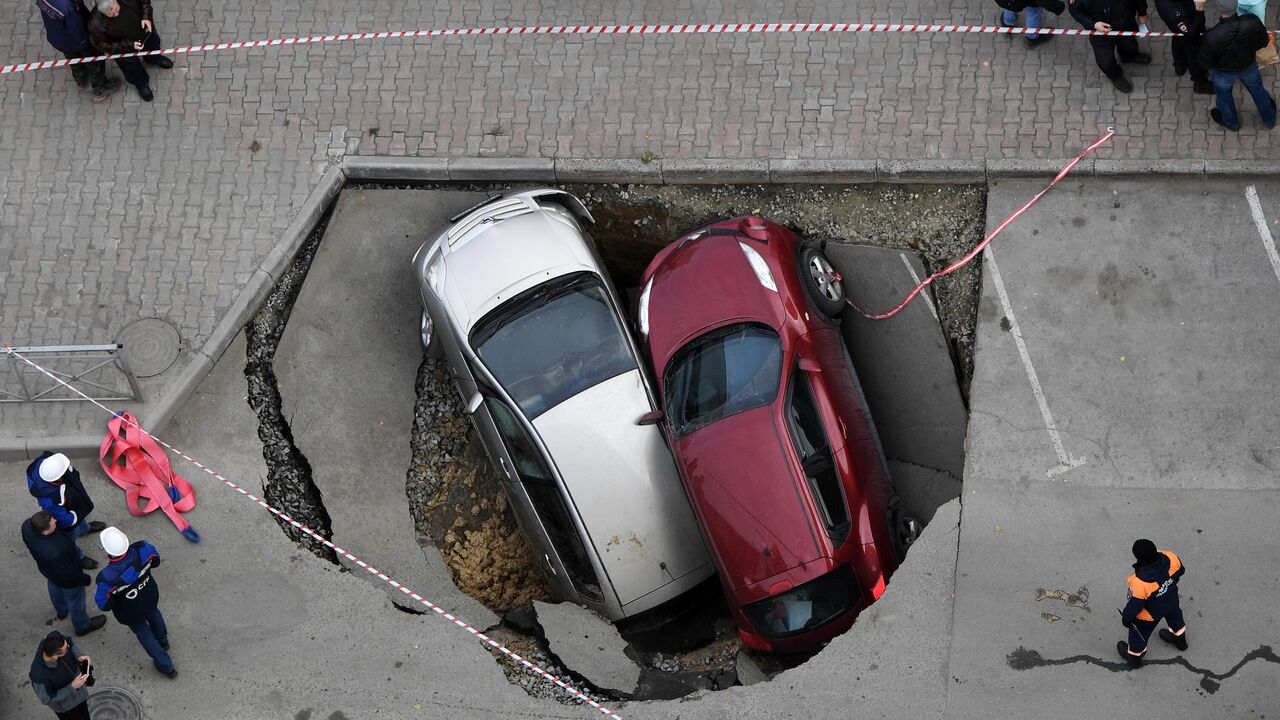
(654,171)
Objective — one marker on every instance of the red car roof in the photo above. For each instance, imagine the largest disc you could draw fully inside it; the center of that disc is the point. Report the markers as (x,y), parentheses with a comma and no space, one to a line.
(703,283)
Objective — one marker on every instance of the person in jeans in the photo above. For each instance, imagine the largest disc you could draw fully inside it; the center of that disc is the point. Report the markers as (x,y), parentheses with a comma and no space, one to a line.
(1108,15)
(1035,16)
(127,588)
(55,556)
(1228,50)
(66,27)
(57,680)
(125,26)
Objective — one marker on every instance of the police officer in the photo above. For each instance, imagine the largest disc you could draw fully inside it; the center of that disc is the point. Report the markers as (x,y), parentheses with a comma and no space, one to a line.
(1153,596)
(58,679)
(127,588)
(1186,19)
(57,488)
(1106,16)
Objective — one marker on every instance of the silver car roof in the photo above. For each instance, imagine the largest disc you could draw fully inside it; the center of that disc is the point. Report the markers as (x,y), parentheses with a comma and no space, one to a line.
(503,249)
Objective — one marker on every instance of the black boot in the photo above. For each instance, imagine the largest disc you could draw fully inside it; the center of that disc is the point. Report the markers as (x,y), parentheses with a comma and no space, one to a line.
(1178,641)
(1135,661)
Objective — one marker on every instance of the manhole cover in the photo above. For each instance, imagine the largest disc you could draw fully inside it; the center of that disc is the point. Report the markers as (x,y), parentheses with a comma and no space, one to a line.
(150,344)
(111,703)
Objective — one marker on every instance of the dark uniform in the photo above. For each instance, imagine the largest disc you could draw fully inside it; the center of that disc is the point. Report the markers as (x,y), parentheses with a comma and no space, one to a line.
(1182,17)
(1121,15)
(127,588)
(1153,596)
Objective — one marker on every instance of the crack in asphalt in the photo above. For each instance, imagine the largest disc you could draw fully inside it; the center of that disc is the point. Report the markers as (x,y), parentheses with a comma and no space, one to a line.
(1026,659)
(939,470)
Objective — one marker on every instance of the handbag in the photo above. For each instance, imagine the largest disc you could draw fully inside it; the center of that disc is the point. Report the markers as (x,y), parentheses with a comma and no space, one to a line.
(1268,56)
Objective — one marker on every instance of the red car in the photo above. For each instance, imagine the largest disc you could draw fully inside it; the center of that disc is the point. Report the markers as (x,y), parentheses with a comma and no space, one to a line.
(770,430)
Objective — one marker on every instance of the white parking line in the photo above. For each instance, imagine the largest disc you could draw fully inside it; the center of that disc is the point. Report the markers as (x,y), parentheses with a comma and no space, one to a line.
(1260,219)
(916,279)
(1065,461)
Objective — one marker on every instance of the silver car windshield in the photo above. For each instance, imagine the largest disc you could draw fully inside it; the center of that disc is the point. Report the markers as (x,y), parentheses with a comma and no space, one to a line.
(551,343)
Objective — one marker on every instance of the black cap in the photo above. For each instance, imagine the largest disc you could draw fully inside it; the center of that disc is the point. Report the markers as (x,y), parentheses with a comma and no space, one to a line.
(1144,551)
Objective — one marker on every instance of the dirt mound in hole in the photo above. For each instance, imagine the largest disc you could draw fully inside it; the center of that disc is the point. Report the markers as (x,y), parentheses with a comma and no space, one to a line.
(457,501)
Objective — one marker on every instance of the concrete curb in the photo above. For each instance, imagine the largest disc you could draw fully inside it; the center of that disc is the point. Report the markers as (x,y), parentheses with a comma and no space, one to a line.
(776,171)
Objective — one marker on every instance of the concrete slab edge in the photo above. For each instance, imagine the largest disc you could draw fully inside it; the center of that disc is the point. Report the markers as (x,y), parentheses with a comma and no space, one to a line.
(248,301)
(730,171)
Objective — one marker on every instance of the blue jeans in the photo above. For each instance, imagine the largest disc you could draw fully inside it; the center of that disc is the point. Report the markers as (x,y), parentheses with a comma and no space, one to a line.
(151,633)
(80,531)
(1224,82)
(70,601)
(1035,18)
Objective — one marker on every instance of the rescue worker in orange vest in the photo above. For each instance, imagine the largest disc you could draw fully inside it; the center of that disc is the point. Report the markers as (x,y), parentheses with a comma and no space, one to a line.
(1153,596)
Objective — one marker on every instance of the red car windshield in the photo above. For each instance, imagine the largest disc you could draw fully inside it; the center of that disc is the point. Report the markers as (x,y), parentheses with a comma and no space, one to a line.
(724,372)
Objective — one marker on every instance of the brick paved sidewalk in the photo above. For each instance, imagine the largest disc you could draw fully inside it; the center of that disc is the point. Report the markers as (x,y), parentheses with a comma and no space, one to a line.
(125,210)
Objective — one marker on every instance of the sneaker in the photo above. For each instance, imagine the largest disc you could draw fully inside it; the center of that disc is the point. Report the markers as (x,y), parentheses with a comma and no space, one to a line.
(144,92)
(159,61)
(1178,641)
(172,674)
(1039,40)
(1217,117)
(1122,84)
(1135,661)
(98,525)
(62,616)
(1202,87)
(1139,59)
(88,563)
(95,623)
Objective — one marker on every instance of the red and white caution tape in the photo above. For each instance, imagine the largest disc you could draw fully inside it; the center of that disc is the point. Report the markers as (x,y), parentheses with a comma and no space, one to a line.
(578,694)
(691,29)
(1066,170)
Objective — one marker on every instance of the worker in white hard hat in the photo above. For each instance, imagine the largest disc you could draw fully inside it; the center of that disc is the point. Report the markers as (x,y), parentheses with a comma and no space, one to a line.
(127,588)
(57,487)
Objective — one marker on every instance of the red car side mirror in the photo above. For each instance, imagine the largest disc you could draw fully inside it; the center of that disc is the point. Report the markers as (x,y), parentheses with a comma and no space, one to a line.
(653,417)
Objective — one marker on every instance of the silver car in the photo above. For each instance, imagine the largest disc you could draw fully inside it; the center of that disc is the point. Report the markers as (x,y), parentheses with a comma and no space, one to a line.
(518,303)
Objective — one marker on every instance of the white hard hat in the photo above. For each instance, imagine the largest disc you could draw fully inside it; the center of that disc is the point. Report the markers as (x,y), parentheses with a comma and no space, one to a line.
(54,467)
(115,542)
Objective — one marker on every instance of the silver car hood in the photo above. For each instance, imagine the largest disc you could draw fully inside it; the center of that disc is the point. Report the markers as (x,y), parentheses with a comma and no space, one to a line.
(501,259)
(622,480)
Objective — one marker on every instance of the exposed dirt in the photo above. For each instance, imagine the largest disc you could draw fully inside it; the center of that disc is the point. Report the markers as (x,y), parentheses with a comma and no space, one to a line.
(457,502)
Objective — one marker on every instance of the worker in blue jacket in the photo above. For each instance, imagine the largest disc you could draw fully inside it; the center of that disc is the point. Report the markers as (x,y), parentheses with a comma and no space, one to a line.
(66,25)
(128,589)
(57,488)
(1153,596)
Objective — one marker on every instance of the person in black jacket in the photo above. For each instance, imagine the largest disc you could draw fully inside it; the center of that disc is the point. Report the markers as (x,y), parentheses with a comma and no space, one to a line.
(125,26)
(1108,15)
(1228,51)
(55,556)
(1183,17)
(1035,16)
(57,678)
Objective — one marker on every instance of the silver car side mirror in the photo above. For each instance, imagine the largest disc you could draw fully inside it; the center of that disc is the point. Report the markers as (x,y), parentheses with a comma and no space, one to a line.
(474,403)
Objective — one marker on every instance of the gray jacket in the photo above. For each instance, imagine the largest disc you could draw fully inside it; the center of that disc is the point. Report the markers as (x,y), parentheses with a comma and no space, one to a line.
(65,697)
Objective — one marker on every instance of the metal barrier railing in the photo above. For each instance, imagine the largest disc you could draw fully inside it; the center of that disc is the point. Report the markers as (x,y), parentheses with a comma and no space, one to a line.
(93,368)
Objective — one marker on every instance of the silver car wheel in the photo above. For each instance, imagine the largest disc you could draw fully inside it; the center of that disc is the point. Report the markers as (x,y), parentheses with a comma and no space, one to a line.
(824,277)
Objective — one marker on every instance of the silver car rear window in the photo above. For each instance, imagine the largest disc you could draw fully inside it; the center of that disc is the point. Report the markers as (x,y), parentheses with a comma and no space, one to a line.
(550,343)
